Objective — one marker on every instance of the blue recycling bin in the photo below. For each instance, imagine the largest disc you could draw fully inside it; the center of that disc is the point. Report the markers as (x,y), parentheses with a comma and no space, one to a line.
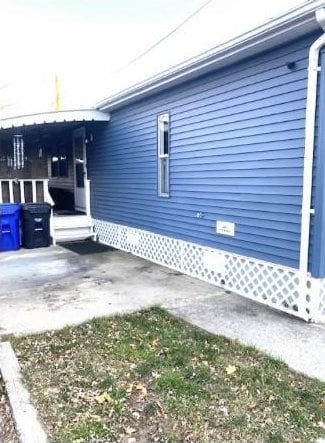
(9,227)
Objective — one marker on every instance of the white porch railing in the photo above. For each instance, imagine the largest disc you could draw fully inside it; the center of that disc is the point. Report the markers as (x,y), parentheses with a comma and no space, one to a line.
(22,185)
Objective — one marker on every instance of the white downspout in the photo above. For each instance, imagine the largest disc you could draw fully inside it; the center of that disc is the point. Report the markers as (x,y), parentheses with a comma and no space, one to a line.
(306,211)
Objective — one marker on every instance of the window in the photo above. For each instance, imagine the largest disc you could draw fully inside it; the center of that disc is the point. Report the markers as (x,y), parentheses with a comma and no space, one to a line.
(59,163)
(163,155)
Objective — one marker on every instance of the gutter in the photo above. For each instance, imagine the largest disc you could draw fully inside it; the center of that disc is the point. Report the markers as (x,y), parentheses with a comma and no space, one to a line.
(310,120)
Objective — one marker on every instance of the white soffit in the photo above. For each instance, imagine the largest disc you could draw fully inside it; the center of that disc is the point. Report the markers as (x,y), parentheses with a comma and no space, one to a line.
(84,115)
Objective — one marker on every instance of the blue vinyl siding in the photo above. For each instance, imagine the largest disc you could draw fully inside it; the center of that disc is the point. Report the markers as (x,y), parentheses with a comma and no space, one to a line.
(236,154)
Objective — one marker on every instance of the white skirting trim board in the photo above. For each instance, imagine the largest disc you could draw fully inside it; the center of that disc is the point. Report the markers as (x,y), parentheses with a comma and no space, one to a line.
(277,286)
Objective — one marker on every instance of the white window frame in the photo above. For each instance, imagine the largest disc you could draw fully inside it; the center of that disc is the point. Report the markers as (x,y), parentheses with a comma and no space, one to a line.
(163,158)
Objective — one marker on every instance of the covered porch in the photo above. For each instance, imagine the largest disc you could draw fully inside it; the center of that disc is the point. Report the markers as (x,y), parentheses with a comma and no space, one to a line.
(43,158)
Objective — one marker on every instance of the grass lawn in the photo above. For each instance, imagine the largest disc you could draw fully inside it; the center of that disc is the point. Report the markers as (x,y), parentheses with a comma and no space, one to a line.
(149,377)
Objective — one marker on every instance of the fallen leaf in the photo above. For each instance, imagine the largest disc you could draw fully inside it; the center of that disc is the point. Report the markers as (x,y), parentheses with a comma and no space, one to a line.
(224,410)
(103,397)
(142,388)
(230,369)
(130,430)
(95,417)
(155,374)
(129,388)
(136,415)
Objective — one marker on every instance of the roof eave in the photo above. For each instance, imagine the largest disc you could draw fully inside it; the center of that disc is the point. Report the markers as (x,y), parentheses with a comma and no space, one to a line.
(53,117)
(292,25)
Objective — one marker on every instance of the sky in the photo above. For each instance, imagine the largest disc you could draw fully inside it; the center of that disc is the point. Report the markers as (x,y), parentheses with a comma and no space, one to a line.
(88,44)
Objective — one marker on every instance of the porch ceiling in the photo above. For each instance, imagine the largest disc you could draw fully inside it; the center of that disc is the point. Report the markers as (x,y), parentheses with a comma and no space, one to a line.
(54,118)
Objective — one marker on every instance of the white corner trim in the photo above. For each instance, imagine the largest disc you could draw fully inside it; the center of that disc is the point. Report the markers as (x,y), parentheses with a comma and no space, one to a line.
(311,103)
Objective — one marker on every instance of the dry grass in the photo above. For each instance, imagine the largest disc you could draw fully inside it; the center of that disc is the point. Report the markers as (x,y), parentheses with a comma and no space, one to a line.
(7,430)
(151,377)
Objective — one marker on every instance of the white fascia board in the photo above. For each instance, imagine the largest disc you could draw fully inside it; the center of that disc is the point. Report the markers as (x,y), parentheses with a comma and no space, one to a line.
(83,115)
(294,24)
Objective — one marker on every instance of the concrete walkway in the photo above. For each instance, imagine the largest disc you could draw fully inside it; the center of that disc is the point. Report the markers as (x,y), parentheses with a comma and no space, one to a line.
(44,289)
(301,345)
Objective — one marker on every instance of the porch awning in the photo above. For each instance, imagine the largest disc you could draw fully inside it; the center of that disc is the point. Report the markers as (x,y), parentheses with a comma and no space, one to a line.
(83,115)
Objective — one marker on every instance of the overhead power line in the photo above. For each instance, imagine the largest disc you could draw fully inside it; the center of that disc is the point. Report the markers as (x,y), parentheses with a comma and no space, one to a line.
(165,37)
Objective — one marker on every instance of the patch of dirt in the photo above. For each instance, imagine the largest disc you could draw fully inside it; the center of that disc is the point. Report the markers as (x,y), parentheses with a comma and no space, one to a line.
(7,430)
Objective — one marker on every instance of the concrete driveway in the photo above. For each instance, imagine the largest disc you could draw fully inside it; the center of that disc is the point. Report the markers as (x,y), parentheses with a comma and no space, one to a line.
(48,288)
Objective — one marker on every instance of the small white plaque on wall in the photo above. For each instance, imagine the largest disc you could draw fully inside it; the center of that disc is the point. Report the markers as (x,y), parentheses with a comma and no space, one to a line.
(225,228)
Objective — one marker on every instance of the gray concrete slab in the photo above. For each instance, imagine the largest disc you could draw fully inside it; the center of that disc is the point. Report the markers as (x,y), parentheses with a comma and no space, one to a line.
(48,288)
(301,345)
(44,289)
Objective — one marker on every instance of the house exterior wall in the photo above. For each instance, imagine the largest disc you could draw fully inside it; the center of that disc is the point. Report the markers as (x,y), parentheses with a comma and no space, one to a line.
(236,154)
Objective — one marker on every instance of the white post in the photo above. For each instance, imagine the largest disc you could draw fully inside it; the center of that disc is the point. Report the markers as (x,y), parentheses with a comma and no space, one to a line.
(11,191)
(45,185)
(1,192)
(314,292)
(34,196)
(46,194)
(87,196)
(52,230)
(22,191)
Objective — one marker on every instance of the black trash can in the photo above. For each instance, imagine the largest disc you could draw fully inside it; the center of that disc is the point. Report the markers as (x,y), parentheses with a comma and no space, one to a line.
(35,225)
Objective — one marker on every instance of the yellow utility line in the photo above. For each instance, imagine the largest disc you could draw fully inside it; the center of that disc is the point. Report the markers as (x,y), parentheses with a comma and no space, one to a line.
(57,102)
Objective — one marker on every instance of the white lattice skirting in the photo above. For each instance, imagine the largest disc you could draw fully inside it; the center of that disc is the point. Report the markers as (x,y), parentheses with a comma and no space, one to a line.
(274,285)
